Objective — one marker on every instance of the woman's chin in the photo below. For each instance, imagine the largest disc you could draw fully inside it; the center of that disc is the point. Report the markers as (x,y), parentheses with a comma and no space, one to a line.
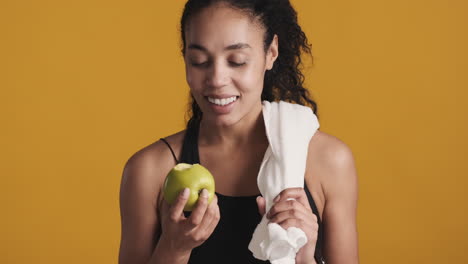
(220,120)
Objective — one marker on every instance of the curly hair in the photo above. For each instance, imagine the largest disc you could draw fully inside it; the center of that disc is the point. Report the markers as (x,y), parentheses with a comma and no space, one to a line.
(285,80)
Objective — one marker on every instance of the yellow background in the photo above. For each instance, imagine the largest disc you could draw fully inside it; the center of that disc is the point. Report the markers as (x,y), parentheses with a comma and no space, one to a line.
(85,84)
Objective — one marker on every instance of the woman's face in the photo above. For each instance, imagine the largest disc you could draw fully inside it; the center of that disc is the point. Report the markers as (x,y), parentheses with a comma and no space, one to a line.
(225,58)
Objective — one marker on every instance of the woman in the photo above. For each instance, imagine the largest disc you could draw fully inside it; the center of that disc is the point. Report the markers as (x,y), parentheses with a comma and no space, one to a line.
(238,53)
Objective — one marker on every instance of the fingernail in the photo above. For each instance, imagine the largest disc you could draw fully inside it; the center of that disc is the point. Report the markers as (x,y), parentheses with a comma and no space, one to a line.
(185,193)
(204,193)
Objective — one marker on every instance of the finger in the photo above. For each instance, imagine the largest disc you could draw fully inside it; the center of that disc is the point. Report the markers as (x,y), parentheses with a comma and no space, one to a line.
(210,214)
(176,210)
(164,206)
(261,204)
(294,193)
(311,230)
(288,214)
(290,222)
(197,214)
(214,222)
(288,205)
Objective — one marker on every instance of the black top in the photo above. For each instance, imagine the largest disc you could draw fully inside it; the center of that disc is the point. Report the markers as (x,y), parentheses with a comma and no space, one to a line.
(239,217)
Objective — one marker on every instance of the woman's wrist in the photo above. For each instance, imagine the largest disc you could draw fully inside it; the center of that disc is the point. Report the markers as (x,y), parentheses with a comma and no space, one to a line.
(164,253)
(307,262)
(306,255)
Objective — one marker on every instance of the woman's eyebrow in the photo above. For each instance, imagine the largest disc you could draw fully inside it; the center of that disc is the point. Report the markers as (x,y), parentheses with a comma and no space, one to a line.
(197,47)
(238,46)
(230,47)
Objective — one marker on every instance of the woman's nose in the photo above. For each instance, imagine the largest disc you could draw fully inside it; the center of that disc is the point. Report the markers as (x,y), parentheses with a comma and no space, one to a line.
(218,76)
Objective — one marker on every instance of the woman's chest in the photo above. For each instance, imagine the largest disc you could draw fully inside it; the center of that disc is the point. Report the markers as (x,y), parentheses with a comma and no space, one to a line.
(235,173)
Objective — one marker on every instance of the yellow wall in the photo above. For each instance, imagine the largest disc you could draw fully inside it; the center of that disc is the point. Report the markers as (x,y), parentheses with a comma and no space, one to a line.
(84,84)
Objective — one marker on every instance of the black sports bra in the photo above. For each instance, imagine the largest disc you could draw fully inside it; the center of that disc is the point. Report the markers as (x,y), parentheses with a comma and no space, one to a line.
(239,217)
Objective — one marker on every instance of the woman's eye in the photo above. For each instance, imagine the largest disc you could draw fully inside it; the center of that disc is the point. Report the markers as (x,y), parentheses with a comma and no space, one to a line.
(199,64)
(236,64)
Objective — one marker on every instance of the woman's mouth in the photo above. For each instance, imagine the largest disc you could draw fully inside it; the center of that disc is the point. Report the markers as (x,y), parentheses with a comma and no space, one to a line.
(222,106)
(222,102)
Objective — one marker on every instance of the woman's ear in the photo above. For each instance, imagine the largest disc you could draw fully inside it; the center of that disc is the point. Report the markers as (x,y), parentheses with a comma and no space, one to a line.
(272,53)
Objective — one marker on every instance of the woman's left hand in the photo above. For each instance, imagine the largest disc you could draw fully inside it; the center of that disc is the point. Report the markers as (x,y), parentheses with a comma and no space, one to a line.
(297,213)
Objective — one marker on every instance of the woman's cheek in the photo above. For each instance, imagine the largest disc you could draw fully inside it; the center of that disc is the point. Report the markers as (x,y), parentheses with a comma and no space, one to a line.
(193,78)
(251,79)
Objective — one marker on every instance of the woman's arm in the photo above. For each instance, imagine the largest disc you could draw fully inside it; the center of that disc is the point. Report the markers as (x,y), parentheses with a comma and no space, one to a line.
(139,191)
(340,186)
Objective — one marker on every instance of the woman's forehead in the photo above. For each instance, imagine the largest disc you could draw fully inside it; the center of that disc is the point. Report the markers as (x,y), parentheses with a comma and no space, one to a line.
(223,26)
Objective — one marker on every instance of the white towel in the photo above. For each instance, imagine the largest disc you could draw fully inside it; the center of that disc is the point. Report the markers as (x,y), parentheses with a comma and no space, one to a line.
(289,128)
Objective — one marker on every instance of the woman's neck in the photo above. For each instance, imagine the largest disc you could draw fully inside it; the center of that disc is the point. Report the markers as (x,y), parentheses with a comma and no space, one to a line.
(248,131)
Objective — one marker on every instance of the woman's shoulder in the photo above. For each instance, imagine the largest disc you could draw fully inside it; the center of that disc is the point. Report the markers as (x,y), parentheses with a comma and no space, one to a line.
(140,197)
(329,148)
(148,166)
(156,152)
(332,159)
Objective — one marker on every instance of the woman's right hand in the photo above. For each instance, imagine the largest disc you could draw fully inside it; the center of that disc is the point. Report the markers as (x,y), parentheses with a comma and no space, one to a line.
(181,234)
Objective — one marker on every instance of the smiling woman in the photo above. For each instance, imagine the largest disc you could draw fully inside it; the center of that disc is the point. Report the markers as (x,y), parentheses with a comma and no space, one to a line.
(238,54)
(222,64)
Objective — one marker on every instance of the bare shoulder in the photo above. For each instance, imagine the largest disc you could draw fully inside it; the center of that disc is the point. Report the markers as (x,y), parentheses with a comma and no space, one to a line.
(334,165)
(142,179)
(148,166)
(333,159)
(332,150)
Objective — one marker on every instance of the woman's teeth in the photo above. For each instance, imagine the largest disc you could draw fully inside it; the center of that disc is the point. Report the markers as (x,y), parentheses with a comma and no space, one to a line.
(223,101)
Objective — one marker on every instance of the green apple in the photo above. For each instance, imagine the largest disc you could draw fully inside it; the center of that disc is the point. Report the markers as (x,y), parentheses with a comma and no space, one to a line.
(195,177)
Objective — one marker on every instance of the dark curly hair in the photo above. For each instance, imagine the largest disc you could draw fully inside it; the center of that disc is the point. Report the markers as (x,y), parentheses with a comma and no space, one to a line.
(285,80)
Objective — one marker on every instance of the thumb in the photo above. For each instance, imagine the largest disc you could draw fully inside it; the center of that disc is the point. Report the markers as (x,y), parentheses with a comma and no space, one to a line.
(261,205)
